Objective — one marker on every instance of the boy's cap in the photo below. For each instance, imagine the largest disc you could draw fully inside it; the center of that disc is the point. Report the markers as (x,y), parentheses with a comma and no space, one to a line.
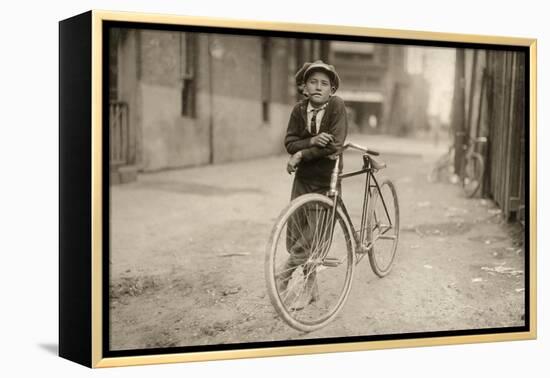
(300,74)
(319,65)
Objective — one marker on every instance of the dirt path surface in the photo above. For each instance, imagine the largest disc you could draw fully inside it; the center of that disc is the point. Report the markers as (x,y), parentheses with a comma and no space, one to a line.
(187,255)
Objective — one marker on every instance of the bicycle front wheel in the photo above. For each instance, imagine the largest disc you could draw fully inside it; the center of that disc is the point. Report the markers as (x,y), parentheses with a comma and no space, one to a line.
(309,263)
(473,173)
(383,228)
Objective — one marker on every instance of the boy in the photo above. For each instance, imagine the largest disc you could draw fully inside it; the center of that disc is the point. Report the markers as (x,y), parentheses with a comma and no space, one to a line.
(317,129)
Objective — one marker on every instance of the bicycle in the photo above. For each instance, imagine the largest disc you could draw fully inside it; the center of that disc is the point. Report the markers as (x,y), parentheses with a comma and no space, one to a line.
(320,227)
(472,167)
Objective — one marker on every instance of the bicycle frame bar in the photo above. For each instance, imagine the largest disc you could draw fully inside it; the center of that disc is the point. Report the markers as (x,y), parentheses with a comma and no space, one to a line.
(333,193)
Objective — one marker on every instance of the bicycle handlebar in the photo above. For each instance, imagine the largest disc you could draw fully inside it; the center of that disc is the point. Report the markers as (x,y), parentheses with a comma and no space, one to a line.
(360,148)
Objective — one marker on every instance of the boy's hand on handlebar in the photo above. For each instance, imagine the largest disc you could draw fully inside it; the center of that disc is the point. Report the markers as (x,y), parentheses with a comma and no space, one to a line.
(321,140)
(293,162)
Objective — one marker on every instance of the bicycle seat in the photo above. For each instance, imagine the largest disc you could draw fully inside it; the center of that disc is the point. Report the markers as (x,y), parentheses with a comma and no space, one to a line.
(377,164)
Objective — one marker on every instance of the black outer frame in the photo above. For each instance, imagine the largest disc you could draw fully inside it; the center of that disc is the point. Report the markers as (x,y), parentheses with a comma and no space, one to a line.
(75,189)
(76,336)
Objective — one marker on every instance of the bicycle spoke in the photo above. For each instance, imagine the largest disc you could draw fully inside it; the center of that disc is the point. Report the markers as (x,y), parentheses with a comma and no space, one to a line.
(320,242)
(316,236)
(297,230)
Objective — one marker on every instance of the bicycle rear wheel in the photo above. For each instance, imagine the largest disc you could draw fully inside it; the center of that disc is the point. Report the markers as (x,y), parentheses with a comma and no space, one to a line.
(473,173)
(383,228)
(308,269)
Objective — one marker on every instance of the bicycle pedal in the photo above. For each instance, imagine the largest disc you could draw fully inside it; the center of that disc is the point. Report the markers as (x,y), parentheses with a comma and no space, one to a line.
(363,249)
(332,262)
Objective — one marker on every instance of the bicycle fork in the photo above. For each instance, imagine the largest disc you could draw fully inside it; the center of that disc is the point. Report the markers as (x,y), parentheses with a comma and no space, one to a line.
(333,193)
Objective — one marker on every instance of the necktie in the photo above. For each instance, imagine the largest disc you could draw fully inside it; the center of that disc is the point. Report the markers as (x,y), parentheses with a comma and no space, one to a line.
(314,120)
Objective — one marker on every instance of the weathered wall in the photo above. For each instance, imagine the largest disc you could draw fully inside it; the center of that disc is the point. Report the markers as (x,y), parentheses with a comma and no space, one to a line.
(493,94)
(239,130)
(170,140)
(228,124)
(506,155)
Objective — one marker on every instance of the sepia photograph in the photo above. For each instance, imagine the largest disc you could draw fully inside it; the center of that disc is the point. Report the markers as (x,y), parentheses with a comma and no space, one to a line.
(287,189)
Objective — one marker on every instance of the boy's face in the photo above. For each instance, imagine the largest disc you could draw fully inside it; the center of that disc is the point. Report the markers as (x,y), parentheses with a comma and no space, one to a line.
(319,88)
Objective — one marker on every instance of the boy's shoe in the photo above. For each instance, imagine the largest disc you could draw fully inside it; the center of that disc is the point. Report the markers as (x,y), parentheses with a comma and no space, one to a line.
(282,284)
(309,295)
(283,277)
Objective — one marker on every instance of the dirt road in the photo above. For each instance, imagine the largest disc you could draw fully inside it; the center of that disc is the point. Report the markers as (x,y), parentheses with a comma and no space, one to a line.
(187,253)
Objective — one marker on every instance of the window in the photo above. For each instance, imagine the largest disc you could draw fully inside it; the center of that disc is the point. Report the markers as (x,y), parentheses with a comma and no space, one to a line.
(266,77)
(188,58)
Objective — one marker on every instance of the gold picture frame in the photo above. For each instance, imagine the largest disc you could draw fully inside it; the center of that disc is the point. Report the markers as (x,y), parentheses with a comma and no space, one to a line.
(83,218)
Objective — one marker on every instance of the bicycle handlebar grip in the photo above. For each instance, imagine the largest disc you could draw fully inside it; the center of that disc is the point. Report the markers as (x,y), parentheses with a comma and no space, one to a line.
(361,148)
(372,152)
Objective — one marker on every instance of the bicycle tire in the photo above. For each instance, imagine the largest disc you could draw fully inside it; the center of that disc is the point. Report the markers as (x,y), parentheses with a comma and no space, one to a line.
(382,253)
(473,171)
(333,292)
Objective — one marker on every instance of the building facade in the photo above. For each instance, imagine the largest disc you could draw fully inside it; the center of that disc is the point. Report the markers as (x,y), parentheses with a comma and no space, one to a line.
(381,95)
